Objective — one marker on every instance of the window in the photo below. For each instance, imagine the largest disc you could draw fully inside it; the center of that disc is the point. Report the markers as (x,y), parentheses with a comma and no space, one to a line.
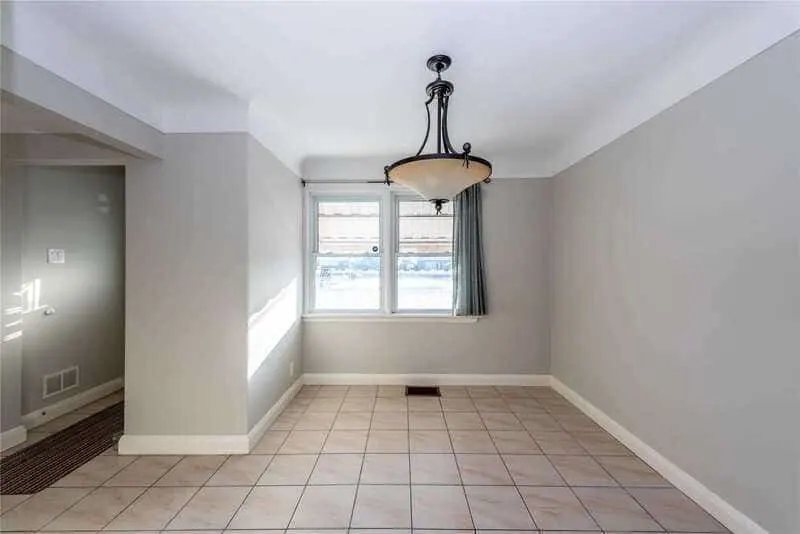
(424,256)
(378,253)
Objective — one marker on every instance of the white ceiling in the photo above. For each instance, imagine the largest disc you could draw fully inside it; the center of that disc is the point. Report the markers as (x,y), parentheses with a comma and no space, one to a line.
(545,83)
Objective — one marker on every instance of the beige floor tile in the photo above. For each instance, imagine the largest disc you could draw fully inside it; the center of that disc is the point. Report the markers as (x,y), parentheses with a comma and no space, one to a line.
(514,392)
(482,392)
(7,502)
(324,507)
(514,442)
(153,510)
(96,471)
(495,507)
(577,423)
(540,423)
(209,508)
(240,470)
(382,507)
(385,469)
(362,391)
(391,404)
(337,469)
(387,441)
(40,509)
(601,444)
(325,405)
(267,507)
(426,421)
(557,509)
(315,421)
(288,470)
(333,390)
(458,404)
(353,421)
(192,471)
(469,441)
(358,404)
(630,471)
(614,509)
(674,510)
(557,443)
(270,442)
(463,421)
(96,510)
(304,442)
(430,441)
(424,404)
(492,405)
(532,470)
(500,421)
(350,441)
(391,391)
(434,469)
(144,471)
(390,421)
(582,471)
(454,391)
(483,469)
(440,507)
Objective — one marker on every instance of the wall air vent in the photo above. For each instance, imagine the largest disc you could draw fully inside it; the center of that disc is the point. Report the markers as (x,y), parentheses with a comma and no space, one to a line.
(63,380)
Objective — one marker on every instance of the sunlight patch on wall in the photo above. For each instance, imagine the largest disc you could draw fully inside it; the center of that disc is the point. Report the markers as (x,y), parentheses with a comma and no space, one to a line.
(268,326)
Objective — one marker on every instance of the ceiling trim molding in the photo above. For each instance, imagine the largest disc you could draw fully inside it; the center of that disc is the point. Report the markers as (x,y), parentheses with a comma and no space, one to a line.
(728,43)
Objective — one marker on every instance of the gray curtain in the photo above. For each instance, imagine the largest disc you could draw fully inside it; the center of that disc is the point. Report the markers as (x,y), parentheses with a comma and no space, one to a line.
(469,291)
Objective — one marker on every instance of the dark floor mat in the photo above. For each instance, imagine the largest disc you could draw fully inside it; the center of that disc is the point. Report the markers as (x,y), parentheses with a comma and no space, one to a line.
(36,467)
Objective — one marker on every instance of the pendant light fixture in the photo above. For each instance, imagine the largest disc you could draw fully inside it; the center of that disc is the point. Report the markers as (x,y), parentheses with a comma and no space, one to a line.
(441,175)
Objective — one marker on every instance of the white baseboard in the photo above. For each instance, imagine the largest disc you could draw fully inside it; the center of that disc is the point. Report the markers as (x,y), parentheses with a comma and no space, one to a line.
(715,505)
(13,437)
(263,424)
(184,445)
(48,413)
(425,379)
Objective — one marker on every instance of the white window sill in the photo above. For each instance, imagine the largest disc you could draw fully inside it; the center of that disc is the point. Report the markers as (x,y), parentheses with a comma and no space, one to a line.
(387,318)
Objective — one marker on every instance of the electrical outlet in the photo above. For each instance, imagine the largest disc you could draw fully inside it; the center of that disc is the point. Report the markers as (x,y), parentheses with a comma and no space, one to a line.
(291,369)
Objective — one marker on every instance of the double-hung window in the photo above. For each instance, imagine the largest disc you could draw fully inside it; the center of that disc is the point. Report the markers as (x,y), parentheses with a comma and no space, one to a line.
(377,251)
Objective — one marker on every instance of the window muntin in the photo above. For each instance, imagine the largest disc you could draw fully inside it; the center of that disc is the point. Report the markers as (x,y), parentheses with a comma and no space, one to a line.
(423,257)
(347,255)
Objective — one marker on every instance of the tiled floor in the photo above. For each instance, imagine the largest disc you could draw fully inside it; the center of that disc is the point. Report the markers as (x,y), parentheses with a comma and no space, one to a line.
(365,458)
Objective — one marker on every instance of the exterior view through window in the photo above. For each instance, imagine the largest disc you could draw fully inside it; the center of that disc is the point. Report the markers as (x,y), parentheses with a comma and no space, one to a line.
(389,254)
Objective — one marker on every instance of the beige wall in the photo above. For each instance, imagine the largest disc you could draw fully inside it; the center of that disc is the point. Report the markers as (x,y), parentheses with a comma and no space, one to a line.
(676,284)
(512,339)
(186,307)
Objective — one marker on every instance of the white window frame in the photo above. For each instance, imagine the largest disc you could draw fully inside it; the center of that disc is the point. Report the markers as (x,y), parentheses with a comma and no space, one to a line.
(389,198)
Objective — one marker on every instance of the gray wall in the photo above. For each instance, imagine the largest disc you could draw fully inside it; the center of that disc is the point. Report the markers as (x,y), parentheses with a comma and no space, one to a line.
(57,207)
(676,288)
(186,267)
(512,339)
(62,209)
(12,191)
(274,278)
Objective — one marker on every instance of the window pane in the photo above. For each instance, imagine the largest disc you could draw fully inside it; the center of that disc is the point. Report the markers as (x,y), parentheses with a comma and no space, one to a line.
(348,227)
(425,283)
(347,283)
(422,231)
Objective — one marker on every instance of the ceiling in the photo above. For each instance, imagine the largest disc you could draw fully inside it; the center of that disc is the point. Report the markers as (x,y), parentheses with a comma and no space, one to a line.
(346,80)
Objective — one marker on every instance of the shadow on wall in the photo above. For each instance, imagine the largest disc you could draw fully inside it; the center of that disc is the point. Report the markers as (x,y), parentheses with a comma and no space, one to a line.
(268,327)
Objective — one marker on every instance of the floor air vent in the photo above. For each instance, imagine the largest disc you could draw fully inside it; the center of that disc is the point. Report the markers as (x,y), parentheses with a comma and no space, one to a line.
(423,391)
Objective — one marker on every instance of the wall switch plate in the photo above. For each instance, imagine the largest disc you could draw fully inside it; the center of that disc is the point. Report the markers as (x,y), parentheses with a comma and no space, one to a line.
(56,255)
(291,369)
